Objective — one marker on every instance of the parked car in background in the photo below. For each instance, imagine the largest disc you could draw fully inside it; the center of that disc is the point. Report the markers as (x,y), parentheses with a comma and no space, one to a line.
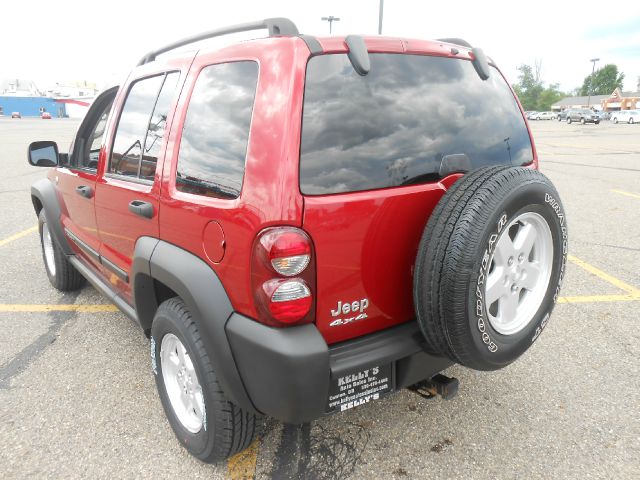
(626,116)
(582,115)
(45,115)
(16,115)
(545,116)
(604,115)
(562,115)
(531,115)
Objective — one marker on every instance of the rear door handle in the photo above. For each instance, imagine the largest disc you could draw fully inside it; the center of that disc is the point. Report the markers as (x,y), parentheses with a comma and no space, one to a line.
(85,191)
(144,209)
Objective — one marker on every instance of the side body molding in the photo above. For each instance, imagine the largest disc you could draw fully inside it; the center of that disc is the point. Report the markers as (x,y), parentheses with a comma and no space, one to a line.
(203,293)
(44,192)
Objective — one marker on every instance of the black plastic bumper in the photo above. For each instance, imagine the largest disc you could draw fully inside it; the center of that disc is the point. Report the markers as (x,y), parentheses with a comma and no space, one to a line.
(287,372)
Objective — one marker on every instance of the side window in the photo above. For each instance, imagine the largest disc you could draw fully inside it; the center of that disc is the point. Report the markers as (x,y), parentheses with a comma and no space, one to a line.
(216,130)
(141,127)
(157,124)
(85,147)
(91,154)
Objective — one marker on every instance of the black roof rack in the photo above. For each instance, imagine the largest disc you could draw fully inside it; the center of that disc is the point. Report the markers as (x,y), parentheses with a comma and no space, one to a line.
(276,26)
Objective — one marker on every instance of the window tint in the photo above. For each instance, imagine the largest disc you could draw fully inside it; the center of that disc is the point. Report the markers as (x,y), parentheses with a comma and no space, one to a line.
(216,131)
(94,142)
(156,127)
(132,127)
(141,127)
(398,124)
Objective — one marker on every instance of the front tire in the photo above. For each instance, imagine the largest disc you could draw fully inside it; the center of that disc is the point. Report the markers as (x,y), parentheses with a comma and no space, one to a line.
(208,425)
(490,266)
(62,275)
(582,121)
(631,121)
(569,120)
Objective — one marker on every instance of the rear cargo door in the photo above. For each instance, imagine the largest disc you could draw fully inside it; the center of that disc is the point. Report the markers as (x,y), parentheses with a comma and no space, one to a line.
(376,154)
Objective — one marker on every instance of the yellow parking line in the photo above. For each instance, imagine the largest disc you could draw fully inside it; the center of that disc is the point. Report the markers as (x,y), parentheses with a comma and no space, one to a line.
(57,308)
(628,194)
(18,235)
(599,298)
(634,292)
(242,466)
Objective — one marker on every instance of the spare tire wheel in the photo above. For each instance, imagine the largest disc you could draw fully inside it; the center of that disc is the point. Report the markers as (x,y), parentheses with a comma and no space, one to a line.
(490,265)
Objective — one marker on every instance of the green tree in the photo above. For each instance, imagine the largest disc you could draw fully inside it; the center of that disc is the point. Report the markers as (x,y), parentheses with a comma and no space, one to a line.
(604,81)
(531,91)
(529,88)
(548,97)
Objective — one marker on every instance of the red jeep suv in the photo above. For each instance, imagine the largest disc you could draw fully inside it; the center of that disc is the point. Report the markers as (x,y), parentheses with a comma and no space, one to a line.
(302,225)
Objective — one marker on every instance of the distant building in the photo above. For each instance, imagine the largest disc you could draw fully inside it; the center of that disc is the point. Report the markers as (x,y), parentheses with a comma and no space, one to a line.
(19,87)
(71,99)
(622,101)
(31,106)
(616,101)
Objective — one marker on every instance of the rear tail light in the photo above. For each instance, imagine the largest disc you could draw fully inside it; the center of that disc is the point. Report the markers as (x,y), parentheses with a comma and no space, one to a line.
(288,250)
(281,253)
(289,301)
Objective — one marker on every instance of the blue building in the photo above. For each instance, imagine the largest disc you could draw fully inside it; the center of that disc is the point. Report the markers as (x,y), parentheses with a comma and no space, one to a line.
(31,106)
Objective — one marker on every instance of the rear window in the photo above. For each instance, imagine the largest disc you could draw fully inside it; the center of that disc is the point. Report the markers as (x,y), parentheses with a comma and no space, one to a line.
(396,125)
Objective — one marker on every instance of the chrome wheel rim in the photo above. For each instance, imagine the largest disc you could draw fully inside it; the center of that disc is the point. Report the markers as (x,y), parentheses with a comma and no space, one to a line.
(181,383)
(519,273)
(47,246)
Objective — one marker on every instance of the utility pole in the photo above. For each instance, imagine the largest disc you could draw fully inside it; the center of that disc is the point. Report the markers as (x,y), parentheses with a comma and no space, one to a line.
(331,19)
(593,69)
(380,17)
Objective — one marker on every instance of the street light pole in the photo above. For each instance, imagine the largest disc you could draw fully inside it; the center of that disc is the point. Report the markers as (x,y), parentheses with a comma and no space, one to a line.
(380,17)
(331,19)
(593,69)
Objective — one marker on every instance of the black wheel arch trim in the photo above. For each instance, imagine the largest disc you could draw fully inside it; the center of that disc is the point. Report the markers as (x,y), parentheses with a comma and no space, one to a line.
(45,193)
(195,282)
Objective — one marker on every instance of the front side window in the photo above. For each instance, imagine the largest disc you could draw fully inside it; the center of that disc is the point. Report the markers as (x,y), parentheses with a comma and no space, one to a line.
(141,127)
(400,123)
(91,155)
(216,131)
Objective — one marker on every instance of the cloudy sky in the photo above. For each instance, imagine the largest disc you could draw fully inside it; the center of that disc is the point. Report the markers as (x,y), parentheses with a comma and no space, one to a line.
(100,41)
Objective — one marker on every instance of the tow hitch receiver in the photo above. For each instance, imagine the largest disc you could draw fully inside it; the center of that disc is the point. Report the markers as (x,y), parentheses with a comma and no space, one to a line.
(439,384)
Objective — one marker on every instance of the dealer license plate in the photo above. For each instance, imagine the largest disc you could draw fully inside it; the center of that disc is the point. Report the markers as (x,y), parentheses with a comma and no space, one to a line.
(353,389)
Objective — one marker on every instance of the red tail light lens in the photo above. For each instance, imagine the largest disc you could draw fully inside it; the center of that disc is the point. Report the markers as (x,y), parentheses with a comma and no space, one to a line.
(289,300)
(281,253)
(287,249)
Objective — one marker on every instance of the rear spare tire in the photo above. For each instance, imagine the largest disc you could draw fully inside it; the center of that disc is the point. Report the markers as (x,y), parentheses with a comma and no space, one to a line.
(490,265)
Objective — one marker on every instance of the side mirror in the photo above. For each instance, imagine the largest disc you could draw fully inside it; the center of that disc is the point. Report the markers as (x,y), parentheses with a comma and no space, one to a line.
(43,154)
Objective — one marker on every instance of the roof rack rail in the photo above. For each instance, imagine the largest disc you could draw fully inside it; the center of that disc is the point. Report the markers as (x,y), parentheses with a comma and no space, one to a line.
(276,26)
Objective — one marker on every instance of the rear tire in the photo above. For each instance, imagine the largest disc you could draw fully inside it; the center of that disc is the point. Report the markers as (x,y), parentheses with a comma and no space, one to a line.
(631,121)
(582,121)
(476,304)
(206,423)
(62,275)
(568,120)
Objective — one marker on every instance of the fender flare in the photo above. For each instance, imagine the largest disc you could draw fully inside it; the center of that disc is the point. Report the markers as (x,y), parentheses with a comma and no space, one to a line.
(202,291)
(43,193)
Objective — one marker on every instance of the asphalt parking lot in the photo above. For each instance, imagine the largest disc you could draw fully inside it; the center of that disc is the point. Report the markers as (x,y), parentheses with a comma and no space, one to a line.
(78,400)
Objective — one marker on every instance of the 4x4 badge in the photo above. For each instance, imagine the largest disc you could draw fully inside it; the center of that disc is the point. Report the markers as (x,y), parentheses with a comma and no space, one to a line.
(356,308)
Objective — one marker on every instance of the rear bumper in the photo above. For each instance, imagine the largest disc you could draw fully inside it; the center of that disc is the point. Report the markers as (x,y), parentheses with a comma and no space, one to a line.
(287,372)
